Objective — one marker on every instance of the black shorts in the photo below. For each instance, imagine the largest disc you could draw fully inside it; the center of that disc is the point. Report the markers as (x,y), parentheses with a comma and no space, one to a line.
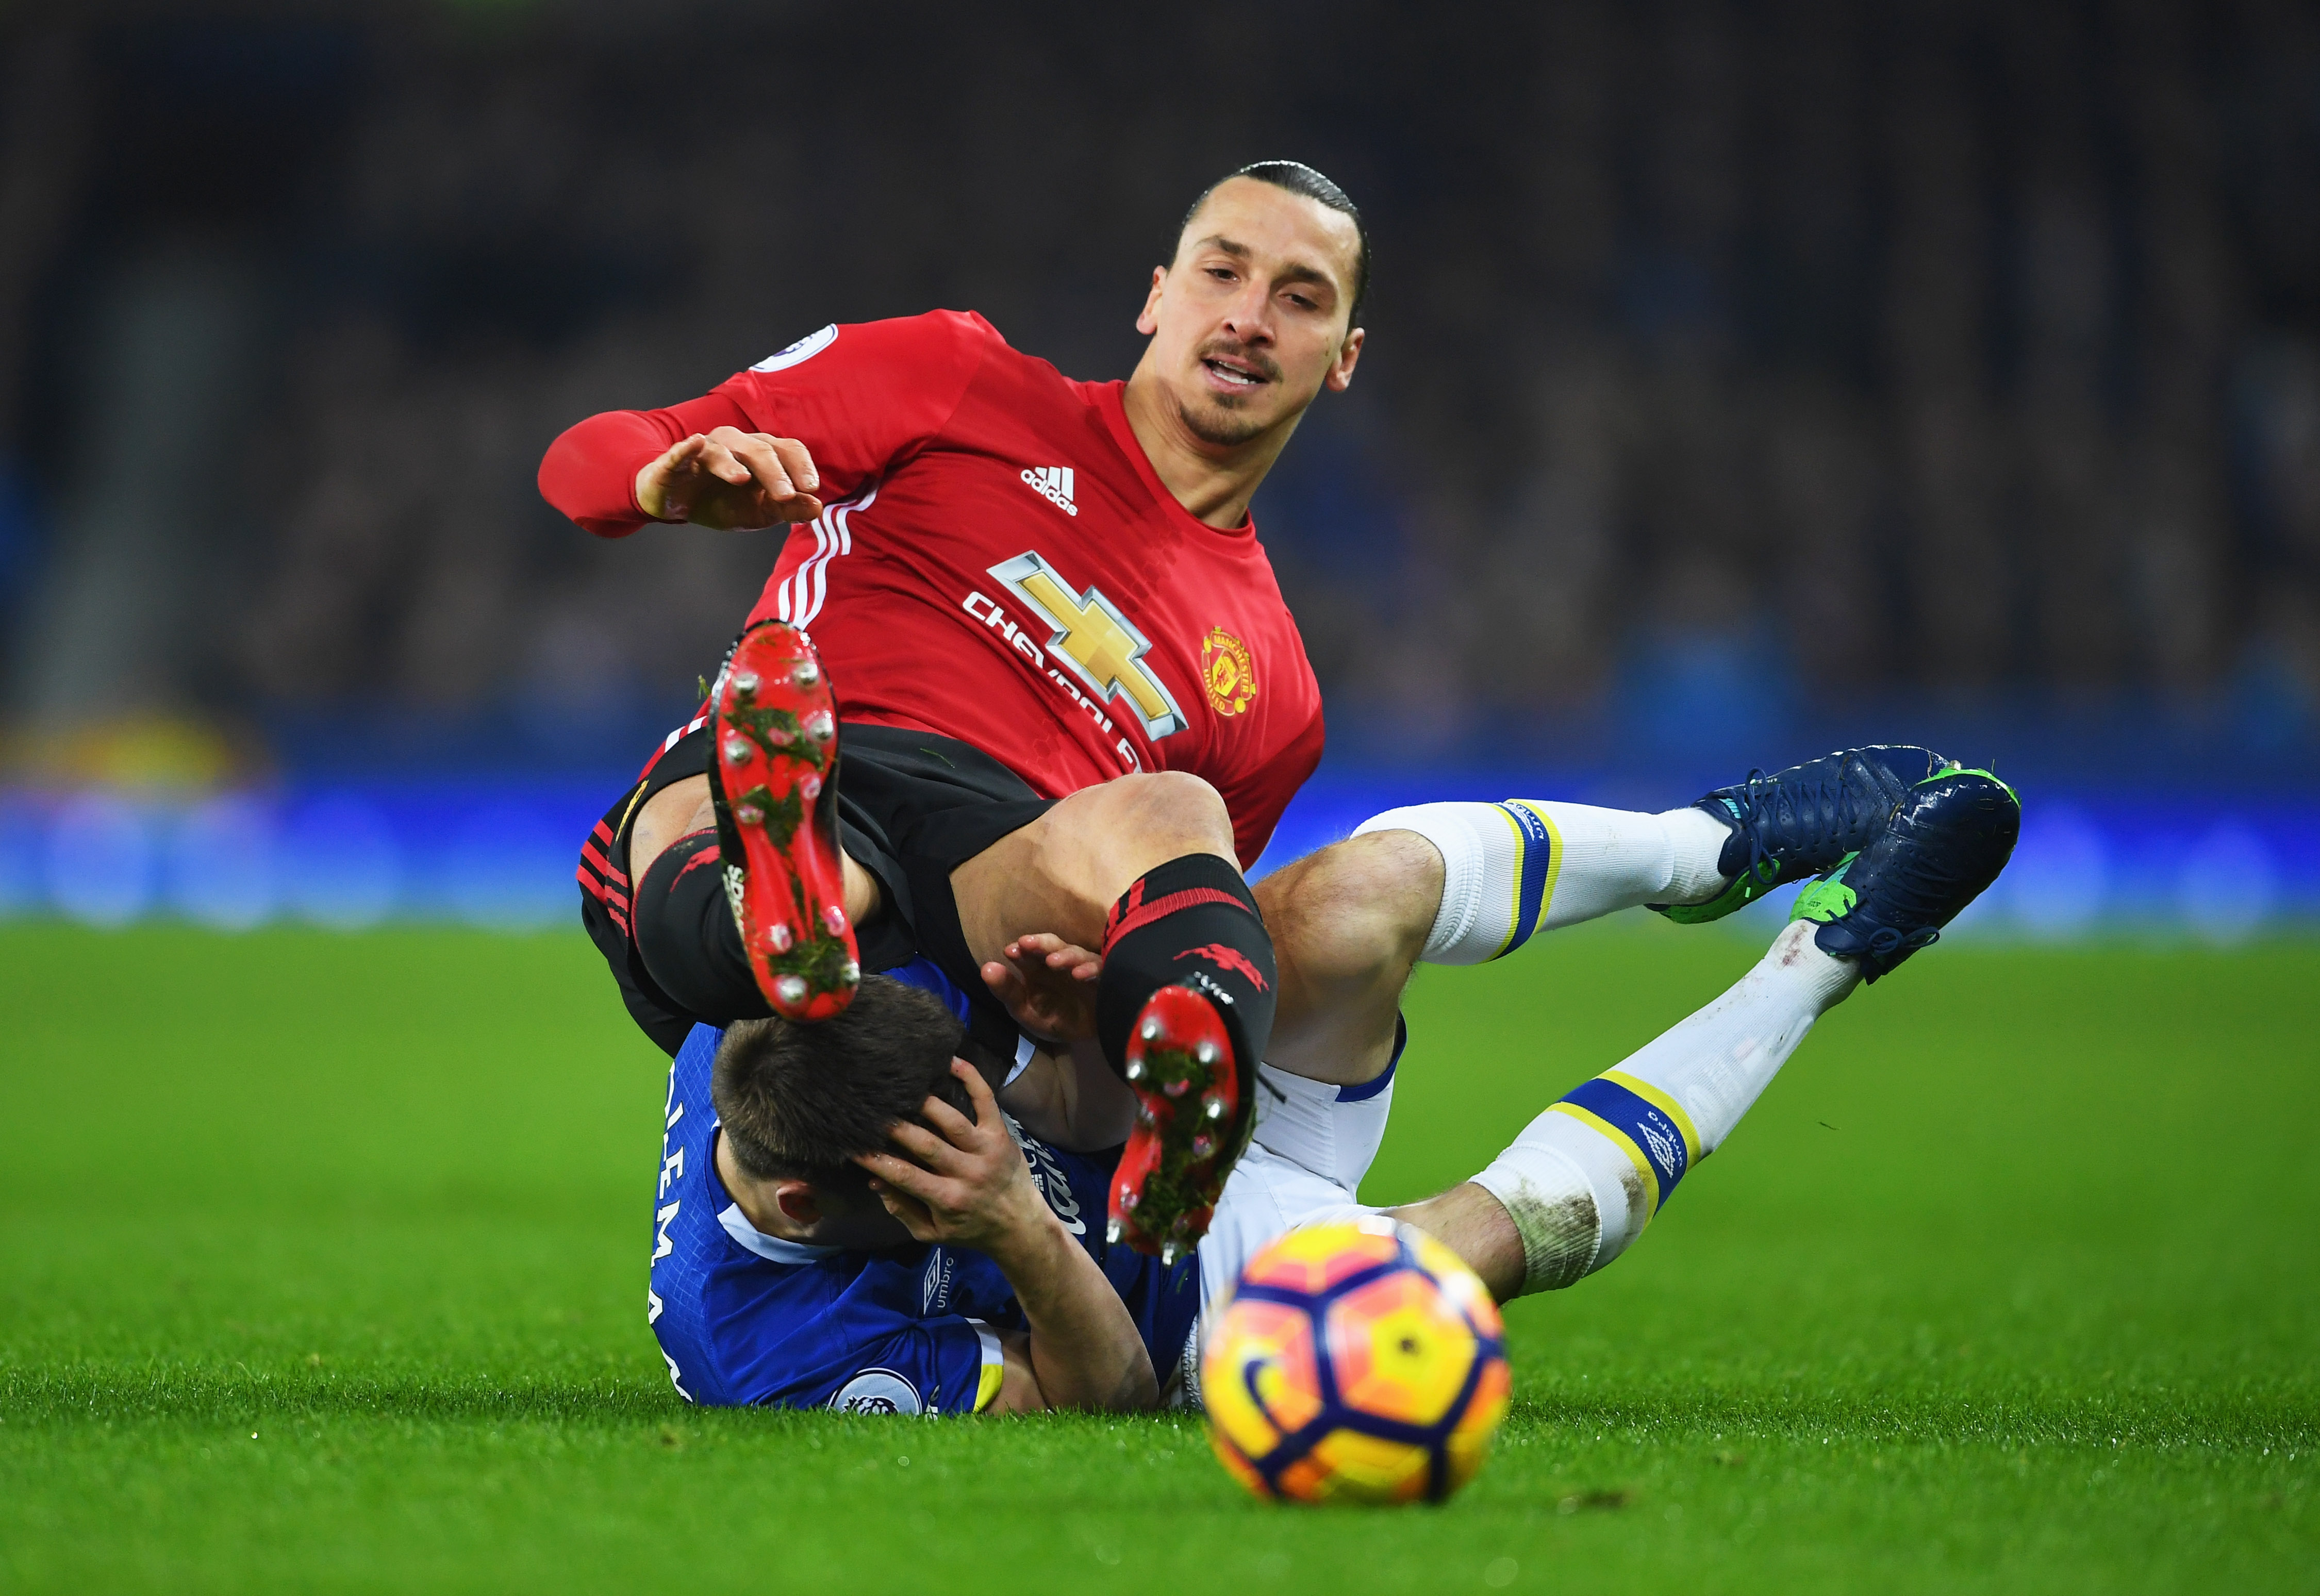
(911,808)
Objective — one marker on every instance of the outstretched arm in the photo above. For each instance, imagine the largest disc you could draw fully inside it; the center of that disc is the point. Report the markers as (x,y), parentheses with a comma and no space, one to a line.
(704,461)
(863,396)
(966,1183)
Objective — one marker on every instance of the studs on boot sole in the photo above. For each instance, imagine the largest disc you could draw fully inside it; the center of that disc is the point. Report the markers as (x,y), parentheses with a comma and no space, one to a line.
(744,683)
(805,673)
(749,814)
(1134,1070)
(1206,1053)
(1214,1107)
(790,989)
(737,748)
(810,786)
(821,726)
(834,918)
(849,973)
(1151,1031)
(780,938)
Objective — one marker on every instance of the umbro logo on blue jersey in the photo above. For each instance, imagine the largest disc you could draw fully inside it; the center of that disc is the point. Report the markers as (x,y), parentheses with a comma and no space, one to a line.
(1052,483)
(934,1286)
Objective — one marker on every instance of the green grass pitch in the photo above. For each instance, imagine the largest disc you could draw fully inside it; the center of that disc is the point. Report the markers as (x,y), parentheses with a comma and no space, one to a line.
(322,1267)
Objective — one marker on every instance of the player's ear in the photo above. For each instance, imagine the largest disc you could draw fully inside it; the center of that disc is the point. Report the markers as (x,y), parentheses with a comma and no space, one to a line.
(1148,320)
(798,1201)
(1341,370)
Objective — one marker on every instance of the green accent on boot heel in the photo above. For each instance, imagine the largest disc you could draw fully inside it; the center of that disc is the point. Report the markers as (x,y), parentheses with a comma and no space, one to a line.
(1828,898)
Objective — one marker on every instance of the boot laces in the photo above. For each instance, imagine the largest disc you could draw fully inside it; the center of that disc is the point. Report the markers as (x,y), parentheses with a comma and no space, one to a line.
(1886,941)
(1815,813)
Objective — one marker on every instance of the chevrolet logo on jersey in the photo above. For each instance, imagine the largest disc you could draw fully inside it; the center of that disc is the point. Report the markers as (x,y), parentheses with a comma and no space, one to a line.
(1101,645)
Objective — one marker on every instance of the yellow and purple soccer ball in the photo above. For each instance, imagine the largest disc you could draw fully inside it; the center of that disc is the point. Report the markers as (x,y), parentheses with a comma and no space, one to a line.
(1357,1362)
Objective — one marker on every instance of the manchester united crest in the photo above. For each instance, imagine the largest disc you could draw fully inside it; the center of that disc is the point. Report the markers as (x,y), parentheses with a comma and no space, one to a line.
(1228,672)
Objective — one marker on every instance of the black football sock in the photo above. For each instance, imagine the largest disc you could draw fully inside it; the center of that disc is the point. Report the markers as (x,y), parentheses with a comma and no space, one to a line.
(685,933)
(1190,923)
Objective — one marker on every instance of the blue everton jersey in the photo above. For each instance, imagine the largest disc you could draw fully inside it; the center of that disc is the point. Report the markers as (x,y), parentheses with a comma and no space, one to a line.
(744,1318)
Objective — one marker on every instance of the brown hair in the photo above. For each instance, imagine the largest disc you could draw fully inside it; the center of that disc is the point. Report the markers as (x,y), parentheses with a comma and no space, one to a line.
(800,1101)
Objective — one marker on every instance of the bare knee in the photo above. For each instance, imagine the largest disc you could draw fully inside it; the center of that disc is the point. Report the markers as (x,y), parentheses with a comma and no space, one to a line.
(1348,924)
(1061,872)
(1356,911)
(1164,815)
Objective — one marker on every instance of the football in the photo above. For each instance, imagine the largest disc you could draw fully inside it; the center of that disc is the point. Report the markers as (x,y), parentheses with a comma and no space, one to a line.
(1360,1362)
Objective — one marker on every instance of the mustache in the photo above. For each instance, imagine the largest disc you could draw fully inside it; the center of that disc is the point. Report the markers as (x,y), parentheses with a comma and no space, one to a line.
(1254,359)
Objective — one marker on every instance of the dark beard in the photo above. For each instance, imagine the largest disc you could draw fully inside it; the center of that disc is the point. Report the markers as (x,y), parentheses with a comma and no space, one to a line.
(1226,430)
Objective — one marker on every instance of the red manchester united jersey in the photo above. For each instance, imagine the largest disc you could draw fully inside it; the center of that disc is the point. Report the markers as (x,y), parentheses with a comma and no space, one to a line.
(1000,564)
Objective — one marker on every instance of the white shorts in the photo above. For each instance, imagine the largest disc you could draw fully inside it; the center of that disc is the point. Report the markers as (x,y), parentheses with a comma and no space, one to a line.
(1312,1145)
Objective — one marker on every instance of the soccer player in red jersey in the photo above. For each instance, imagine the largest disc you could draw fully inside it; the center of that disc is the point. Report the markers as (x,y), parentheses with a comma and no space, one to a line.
(1073,563)
(1024,587)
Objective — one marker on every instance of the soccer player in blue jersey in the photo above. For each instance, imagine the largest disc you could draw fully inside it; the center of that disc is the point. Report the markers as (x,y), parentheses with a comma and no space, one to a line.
(845,1216)
(803,1259)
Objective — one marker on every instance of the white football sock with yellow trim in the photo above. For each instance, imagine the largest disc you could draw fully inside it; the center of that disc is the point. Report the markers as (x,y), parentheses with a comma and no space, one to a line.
(1511,870)
(1585,1177)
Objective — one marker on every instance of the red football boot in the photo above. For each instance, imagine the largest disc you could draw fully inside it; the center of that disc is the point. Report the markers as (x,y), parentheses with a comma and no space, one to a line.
(773,784)
(1194,1113)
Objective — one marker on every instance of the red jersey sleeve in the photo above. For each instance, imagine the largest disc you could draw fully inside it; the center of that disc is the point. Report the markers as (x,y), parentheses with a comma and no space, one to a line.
(860,397)
(590,473)
(864,397)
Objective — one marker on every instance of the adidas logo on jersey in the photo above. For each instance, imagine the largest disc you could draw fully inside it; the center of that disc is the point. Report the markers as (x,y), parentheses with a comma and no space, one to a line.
(1052,483)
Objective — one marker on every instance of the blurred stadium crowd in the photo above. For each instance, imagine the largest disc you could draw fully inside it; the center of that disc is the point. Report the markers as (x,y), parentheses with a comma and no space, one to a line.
(1729,361)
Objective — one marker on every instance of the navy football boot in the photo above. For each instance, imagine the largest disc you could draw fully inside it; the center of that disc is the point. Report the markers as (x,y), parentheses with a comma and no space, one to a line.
(1800,821)
(1951,836)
